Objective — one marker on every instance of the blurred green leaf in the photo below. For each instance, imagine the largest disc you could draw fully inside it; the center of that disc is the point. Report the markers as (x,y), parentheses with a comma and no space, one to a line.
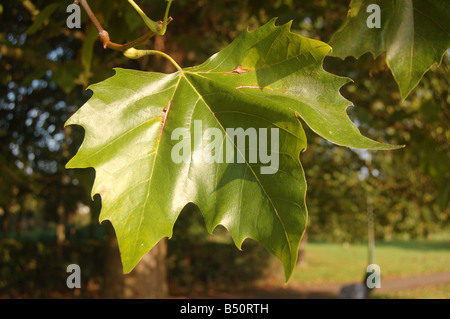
(66,74)
(88,51)
(414,34)
(42,17)
(430,112)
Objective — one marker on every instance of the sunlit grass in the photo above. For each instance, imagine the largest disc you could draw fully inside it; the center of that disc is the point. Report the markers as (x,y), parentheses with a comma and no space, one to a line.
(427,292)
(338,263)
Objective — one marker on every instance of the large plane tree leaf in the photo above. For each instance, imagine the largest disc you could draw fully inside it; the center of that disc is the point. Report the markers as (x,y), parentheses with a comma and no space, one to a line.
(268,78)
(414,34)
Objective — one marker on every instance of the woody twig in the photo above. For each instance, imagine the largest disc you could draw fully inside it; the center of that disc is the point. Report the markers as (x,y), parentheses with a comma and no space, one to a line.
(103,35)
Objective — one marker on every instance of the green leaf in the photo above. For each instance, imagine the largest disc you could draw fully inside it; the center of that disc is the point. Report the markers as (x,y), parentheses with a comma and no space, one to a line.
(414,34)
(42,17)
(87,52)
(66,75)
(267,78)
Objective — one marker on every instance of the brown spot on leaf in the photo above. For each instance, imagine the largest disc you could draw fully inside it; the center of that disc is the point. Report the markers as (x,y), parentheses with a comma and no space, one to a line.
(238,70)
(102,191)
(164,115)
(250,87)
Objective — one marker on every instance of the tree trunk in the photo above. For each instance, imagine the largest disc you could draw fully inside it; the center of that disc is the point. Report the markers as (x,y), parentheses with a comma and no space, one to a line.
(5,221)
(113,285)
(61,209)
(60,226)
(147,280)
(302,261)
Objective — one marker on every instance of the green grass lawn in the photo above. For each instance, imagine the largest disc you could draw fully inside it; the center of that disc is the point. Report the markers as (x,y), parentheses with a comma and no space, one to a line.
(337,263)
(428,292)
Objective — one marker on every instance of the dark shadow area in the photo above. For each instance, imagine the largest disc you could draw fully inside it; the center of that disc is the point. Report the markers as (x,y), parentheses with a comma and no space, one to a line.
(275,293)
(33,268)
(199,262)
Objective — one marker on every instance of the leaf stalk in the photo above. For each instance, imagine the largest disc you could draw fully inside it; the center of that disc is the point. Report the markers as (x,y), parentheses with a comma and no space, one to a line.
(128,49)
(132,53)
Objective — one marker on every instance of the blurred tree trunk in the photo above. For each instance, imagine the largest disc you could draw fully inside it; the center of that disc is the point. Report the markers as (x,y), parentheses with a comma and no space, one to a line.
(148,280)
(302,251)
(61,209)
(113,285)
(60,226)
(5,221)
(19,224)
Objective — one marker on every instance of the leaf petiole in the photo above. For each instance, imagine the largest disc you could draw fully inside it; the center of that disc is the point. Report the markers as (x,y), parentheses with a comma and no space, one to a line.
(162,31)
(104,36)
(152,25)
(132,53)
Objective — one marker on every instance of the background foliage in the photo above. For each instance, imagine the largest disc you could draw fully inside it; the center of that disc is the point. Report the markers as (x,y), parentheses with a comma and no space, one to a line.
(45,68)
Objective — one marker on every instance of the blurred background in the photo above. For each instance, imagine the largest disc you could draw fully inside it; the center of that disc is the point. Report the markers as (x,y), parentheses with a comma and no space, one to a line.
(48,219)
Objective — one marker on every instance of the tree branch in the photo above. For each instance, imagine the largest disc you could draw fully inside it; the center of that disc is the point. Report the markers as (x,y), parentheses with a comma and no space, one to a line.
(30,7)
(27,56)
(103,35)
